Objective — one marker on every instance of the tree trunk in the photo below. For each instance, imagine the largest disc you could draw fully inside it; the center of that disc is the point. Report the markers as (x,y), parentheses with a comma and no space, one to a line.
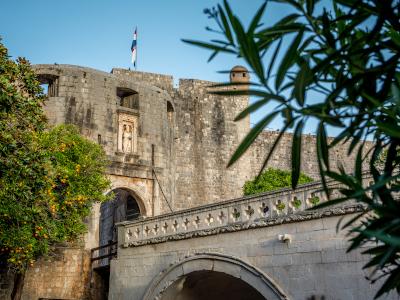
(18,286)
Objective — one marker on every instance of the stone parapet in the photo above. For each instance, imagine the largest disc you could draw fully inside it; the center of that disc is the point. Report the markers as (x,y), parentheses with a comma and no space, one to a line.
(259,210)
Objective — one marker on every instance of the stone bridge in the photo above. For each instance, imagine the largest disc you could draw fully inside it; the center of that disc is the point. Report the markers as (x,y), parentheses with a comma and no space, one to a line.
(263,246)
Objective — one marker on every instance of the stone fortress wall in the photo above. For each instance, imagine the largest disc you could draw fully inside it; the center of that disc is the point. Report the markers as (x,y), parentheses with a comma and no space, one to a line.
(187,134)
(206,137)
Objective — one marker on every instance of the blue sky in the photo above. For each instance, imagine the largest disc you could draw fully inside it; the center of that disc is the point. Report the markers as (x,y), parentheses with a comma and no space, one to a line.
(98,34)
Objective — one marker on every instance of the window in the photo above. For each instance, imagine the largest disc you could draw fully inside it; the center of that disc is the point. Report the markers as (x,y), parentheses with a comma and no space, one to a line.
(170,112)
(50,84)
(128,98)
(152,155)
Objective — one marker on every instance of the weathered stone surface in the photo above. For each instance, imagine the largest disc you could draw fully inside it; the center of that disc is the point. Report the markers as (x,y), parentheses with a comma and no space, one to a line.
(66,276)
(187,136)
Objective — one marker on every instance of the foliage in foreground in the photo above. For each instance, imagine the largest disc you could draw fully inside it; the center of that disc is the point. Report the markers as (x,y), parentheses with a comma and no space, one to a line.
(48,179)
(349,53)
(272,179)
(24,166)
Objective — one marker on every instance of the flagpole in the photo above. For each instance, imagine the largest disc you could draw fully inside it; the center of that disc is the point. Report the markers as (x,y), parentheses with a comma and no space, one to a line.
(136,50)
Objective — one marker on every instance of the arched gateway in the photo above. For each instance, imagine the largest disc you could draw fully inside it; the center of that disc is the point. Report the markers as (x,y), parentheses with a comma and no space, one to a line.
(135,192)
(213,276)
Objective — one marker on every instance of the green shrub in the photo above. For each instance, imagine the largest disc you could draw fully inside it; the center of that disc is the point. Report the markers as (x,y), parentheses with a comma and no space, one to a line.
(272,179)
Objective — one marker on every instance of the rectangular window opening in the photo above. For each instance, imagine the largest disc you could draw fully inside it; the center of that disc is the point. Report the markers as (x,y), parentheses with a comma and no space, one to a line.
(152,155)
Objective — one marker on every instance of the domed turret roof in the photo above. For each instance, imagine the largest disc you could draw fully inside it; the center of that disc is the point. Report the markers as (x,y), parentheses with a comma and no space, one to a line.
(239,69)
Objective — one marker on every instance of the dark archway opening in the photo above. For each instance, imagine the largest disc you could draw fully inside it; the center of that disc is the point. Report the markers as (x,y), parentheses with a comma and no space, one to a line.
(123,207)
(210,285)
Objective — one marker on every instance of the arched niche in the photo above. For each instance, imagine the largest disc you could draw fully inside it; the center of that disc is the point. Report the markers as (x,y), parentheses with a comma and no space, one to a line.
(170,283)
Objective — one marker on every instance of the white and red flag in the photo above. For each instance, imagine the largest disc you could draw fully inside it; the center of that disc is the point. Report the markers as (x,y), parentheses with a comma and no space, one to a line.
(133,48)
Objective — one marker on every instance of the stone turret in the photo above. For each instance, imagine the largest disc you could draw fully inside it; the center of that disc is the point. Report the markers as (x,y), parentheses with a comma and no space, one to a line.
(241,75)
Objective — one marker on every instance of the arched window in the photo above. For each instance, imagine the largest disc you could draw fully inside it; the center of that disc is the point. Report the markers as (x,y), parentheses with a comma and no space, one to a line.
(132,209)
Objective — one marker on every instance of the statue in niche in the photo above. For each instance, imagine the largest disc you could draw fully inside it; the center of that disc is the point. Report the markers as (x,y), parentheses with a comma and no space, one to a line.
(127,138)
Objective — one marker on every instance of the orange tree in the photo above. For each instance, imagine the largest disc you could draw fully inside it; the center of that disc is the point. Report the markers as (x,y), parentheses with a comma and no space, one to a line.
(48,180)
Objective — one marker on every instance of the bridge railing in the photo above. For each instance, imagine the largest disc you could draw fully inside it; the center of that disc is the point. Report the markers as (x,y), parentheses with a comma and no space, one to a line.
(112,248)
(259,210)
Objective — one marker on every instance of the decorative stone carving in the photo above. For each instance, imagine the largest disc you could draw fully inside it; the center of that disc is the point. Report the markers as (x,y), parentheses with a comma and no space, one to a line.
(137,232)
(254,224)
(127,138)
(127,133)
(165,227)
(128,234)
(221,217)
(197,222)
(175,226)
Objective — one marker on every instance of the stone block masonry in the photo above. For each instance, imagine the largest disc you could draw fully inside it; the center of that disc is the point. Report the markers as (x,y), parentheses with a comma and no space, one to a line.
(66,276)
(187,134)
(240,238)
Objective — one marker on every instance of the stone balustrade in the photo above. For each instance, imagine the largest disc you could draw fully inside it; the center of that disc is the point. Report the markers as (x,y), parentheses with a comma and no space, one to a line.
(259,210)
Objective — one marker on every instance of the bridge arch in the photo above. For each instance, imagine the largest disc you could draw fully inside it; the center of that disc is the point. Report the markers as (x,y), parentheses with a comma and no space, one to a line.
(170,282)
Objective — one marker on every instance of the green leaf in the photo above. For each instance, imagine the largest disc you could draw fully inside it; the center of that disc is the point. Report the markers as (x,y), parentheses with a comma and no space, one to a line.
(227,28)
(256,19)
(288,59)
(253,108)
(322,146)
(251,137)
(300,83)
(359,164)
(253,93)
(208,46)
(280,30)
(389,128)
(296,150)
(310,6)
